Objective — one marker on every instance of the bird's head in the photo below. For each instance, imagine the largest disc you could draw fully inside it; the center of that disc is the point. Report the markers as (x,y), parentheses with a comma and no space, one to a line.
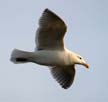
(79,60)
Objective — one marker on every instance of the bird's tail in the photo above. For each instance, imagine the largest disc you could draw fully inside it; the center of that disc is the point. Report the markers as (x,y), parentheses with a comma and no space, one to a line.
(19,56)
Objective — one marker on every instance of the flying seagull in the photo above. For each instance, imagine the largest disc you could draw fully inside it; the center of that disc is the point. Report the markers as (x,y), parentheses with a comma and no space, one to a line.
(50,50)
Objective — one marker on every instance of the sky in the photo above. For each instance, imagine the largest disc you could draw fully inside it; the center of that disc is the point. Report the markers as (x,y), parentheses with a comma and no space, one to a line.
(87,22)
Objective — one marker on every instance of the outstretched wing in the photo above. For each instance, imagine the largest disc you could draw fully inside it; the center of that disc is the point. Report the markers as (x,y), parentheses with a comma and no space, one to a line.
(64,76)
(51,31)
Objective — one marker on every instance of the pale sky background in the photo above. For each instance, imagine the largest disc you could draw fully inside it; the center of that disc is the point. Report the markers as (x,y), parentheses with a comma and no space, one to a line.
(87,34)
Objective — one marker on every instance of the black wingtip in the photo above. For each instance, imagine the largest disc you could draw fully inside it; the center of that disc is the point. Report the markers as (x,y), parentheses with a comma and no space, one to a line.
(47,10)
(65,86)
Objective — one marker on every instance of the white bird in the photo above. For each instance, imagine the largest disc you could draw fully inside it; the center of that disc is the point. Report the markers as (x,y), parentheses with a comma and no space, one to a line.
(50,50)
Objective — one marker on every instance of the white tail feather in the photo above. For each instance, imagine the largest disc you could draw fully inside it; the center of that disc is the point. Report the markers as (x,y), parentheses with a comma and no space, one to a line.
(19,56)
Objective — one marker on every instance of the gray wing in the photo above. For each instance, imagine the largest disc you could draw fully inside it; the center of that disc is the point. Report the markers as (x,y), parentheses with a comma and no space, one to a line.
(64,76)
(51,31)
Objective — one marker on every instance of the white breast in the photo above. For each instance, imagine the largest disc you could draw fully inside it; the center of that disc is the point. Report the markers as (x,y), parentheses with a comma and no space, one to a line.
(52,58)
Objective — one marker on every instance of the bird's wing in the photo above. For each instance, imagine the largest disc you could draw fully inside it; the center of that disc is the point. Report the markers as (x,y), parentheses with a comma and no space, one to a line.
(51,31)
(64,75)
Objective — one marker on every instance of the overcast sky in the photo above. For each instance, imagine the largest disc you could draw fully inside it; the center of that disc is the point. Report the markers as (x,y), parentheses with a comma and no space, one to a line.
(87,34)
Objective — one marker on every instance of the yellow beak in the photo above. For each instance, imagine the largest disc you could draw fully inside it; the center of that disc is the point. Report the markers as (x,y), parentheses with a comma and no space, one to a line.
(86,65)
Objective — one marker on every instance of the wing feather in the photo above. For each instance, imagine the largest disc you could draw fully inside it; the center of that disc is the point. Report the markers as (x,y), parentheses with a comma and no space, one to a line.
(51,31)
(64,75)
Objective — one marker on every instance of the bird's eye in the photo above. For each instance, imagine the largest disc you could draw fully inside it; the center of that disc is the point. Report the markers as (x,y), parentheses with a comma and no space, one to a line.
(79,57)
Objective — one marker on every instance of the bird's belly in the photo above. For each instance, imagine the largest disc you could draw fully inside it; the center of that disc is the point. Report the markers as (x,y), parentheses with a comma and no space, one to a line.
(50,58)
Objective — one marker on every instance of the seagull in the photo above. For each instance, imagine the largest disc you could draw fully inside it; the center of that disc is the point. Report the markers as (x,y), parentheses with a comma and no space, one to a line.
(50,50)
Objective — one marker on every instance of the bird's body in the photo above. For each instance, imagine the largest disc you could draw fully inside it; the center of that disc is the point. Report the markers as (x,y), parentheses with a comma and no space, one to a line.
(50,50)
(52,58)
(48,58)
